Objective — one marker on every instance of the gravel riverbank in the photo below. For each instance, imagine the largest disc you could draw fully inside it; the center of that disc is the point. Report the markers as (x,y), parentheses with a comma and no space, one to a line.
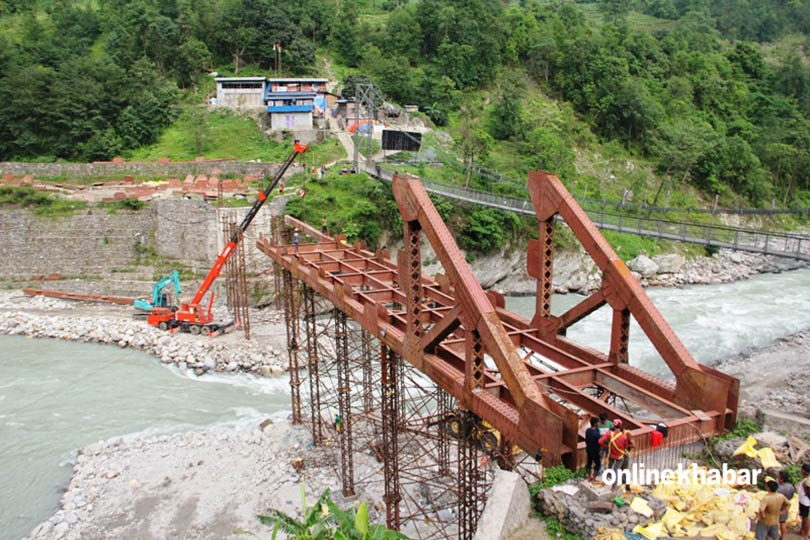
(208,483)
(575,271)
(773,377)
(41,317)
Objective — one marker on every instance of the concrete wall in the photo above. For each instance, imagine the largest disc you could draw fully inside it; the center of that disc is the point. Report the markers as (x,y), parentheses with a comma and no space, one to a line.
(240,98)
(508,507)
(291,120)
(186,231)
(92,242)
(86,243)
(176,169)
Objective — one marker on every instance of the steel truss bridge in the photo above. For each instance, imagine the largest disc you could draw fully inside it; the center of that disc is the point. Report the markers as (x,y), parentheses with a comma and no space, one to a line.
(522,378)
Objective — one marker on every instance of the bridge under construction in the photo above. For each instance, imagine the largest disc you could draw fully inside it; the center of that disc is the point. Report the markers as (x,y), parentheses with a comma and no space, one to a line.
(438,380)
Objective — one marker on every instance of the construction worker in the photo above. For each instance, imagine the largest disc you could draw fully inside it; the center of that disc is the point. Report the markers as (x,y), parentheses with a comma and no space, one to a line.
(619,445)
(324,226)
(787,489)
(336,422)
(592,447)
(770,507)
(296,239)
(803,488)
(605,426)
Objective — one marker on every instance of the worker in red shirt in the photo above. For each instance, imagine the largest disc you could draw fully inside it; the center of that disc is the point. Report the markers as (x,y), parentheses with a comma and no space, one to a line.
(618,444)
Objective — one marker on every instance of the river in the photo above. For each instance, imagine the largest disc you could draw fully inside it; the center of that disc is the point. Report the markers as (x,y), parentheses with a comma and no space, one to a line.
(58,396)
(713,321)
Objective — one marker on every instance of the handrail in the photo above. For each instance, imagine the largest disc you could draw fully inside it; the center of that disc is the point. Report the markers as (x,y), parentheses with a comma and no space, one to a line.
(722,236)
(496,176)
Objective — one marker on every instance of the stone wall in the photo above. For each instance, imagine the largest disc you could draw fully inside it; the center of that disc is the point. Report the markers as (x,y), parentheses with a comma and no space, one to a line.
(92,241)
(171,169)
(86,243)
(186,231)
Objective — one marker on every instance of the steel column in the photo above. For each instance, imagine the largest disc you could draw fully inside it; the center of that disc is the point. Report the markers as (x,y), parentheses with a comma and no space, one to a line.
(469,487)
(344,402)
(544,283)
(413,278)
(619,336)
(443,407)
(390,433)
(313,368)
(293,340)
(368,389)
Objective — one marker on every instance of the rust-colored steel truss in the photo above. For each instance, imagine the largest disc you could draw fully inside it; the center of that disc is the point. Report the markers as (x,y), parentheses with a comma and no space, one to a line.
(236,281)
(523,377)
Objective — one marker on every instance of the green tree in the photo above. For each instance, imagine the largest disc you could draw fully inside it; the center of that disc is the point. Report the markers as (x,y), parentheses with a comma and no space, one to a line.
(192,57)
(547,151)
(680,144)
(472,141)
(615,11)
(506,114)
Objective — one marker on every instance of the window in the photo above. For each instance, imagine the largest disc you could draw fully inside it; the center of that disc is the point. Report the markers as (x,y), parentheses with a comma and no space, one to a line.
(241,85)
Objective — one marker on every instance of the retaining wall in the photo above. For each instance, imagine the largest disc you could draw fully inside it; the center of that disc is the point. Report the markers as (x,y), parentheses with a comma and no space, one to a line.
(86,243)
(92,241)
(174,169)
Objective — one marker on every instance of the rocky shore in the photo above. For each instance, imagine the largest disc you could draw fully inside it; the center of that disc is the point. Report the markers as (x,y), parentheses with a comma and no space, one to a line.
(575,272)
(780,387)
(41,317)
(208,483)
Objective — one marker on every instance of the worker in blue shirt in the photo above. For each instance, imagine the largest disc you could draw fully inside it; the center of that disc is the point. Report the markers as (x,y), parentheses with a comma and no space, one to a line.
(593,450)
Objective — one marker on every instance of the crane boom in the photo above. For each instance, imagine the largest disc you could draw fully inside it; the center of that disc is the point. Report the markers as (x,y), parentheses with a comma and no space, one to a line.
(237,235)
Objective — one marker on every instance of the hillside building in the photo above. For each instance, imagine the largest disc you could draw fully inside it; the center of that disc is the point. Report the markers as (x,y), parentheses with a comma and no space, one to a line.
(291,103)
(240,92)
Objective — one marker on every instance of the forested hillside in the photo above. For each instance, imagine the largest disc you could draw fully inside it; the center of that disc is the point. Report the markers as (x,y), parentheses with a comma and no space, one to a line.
(713,93)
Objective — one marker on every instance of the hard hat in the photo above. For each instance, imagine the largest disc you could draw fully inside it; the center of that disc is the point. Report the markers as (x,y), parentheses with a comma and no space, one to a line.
(617,422)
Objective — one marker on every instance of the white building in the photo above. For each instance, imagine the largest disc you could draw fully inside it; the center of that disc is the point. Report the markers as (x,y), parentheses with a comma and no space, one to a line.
(241,92)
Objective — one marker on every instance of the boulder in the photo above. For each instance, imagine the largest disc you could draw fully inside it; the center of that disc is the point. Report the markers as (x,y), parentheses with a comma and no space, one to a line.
(669,264)
(770,439)
(600,507)
(643,265)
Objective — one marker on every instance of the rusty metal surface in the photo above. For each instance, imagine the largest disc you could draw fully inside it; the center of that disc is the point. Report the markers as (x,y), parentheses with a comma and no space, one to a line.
(523,377)
(81,297)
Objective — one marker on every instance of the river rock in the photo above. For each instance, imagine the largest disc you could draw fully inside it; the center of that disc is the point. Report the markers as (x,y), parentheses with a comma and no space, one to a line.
(669,264)
(643,265)
(770,439)
(60,529)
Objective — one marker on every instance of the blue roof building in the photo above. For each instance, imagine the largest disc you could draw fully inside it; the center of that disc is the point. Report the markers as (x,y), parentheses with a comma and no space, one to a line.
(289,110)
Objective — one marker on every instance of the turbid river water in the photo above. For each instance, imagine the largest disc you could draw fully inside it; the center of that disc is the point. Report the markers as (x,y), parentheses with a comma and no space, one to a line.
(713,321)
(56,396)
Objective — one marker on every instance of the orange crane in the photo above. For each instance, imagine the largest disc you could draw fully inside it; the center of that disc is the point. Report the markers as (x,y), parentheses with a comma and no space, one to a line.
(194,317)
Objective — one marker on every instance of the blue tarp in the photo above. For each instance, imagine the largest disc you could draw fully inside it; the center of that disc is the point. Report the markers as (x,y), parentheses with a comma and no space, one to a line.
(289,108)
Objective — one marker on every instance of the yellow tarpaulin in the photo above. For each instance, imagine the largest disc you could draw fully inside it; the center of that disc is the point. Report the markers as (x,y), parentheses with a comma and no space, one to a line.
(768,459)
(656,530)
(711,511)
(765,455)
(641,506)
(747,448)
(603,533)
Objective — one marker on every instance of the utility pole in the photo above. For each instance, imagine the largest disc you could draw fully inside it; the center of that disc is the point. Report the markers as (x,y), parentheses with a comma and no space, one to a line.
(365,97)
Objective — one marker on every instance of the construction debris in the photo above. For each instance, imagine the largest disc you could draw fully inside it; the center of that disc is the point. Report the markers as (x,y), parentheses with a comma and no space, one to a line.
(81,297)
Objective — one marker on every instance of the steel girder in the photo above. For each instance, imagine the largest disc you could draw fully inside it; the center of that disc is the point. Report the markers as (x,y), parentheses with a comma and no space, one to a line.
(524,377)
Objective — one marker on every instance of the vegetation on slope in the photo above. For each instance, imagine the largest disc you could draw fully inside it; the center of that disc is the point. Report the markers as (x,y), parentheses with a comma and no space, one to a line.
(518,85)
